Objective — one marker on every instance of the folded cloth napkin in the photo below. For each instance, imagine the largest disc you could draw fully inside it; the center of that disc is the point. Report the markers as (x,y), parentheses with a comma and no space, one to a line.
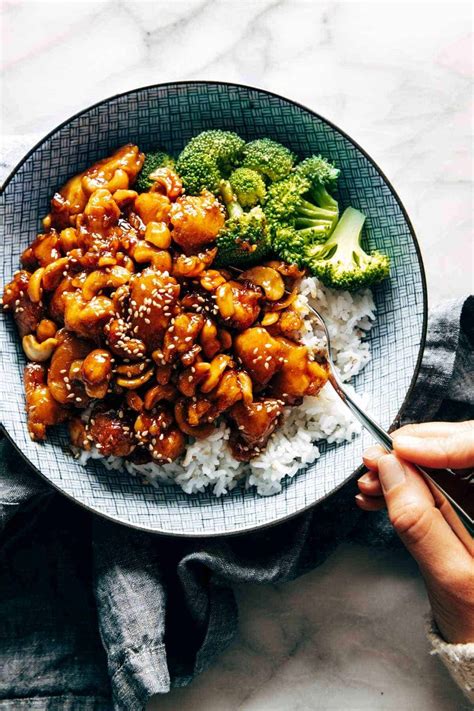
(94,615)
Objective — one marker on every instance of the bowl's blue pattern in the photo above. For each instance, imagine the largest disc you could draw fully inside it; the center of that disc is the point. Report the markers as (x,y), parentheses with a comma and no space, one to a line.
(168,115)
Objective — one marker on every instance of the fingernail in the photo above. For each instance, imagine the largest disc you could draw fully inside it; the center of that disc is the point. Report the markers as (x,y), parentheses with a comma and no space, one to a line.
(372,452)
(368,478)
(391,472)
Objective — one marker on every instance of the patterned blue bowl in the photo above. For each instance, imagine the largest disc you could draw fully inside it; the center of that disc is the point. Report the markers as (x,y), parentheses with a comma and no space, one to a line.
(168,115)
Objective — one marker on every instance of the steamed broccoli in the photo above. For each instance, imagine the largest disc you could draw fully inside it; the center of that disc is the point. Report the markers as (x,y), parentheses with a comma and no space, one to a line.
(294,220)
(207,158)
(244,240)
(248,185)
(269,158)
(320,174)
(341,263)
(153,161)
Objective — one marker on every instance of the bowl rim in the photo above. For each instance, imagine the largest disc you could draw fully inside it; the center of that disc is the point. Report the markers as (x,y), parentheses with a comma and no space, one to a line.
(315,114)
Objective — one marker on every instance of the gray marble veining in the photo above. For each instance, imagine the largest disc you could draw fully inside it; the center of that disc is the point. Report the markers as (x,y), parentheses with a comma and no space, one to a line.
(397,77)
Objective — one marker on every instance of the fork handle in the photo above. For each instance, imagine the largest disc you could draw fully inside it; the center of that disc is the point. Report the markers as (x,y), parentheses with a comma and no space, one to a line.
(443,479)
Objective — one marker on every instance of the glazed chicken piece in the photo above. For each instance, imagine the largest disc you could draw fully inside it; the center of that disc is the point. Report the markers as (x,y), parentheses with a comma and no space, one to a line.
(57,304)
(290,325)
(298,375)
(41,407)
(27,314)
(87,318)
(152,207)
(101,212)
(194,265)
(181,335)
(253,423)
(117,171)
(157,431)
(153,303)
(196,221)
(260,353)
(44,250)
(238,304)
(111,434)
(64,387)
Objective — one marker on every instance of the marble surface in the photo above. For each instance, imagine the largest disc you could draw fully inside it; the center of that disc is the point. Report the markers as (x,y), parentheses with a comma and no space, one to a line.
(395,76)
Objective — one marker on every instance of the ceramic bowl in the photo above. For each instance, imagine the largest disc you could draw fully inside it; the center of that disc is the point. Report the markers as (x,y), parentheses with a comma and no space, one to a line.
(169,115)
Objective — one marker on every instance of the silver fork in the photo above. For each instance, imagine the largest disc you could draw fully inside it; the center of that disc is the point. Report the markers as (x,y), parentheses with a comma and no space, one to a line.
(455,486)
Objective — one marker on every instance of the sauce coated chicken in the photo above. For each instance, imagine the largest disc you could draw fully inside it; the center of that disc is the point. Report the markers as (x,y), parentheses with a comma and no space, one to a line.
(123,316)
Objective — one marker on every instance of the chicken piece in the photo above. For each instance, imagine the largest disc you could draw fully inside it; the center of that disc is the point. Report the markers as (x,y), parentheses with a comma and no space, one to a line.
(233,387)
(42,251)
(158,432)
(101,212)
(87,318)
(252,426)
(260,353)
(187,411)
(41,408)
(212,340)
(63,389)
(238,304)
(196,220)
(27,314)
(111,433)
(194,265)
(153,303)
(298,375)
(181,335)
(117,171)
(96,372)
(290,325)
(119,337)
(57,302)
(152,207)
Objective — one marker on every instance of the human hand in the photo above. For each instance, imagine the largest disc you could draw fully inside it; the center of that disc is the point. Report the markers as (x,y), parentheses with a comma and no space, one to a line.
(424,519)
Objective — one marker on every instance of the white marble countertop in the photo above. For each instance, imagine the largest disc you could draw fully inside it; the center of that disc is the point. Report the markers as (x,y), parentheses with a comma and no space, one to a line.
(396,77)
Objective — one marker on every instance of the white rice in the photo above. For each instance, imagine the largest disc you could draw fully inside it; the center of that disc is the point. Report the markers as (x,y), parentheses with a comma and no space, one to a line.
(209,462)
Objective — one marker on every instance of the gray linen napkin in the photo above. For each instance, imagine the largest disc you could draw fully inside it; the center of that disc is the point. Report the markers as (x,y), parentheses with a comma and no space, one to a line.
(96,616)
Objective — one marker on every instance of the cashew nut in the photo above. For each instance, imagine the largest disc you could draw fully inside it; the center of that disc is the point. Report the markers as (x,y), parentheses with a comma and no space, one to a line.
(218,365)
(53,273)
(98,280)
(158,393)
(160,259)
(134,383)
(211,279)
(167,179)
(269,279)
(38,352)
(34,285)
(158,234)
(270,318)
(225,300)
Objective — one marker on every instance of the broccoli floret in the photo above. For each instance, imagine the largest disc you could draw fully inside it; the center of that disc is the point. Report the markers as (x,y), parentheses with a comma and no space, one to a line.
(269,158)
(153,161)
(244,240)
(321,174)
(248,185)
(341,263)
(207,158)
(287,206)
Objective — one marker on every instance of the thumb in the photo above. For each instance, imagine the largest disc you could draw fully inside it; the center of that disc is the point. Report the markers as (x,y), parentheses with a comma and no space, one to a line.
(455,451)
(420,525)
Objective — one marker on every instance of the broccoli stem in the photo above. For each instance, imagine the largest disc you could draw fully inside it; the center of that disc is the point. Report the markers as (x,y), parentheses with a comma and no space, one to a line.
(323,198)
(307,209)
(234,209)
(346,235)
(301,222)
